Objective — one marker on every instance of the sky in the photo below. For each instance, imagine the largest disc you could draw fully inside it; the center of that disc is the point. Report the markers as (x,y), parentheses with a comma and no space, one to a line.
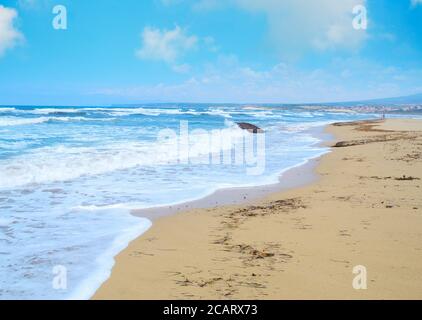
(90,52)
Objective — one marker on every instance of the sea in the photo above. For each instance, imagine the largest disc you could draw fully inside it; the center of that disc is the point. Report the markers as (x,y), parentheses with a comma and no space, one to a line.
(70,176)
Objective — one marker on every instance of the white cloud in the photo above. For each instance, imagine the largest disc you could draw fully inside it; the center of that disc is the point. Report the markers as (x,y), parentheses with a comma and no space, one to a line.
(181,68)
(296,25)
(414,3)
(9,35)
(165,45)
(228,80)
(210,44)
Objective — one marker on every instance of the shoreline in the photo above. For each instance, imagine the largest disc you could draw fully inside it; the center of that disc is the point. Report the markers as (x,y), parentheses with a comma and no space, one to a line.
(295,176)
(181,232)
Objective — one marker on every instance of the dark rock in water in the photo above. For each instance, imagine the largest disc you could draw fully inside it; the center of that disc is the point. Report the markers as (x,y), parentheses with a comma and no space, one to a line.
(250,127)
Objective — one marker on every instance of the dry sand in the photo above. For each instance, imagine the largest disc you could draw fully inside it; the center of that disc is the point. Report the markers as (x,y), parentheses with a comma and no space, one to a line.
(365,209)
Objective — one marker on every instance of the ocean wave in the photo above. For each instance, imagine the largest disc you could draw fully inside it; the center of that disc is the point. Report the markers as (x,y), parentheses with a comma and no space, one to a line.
(96,208)
(112,111)
(262,114)
(15,121)
(105,262)
(218,112)
(62,163)
(48,111)
(303,126)
(7,109)
(5,222)
(155,112)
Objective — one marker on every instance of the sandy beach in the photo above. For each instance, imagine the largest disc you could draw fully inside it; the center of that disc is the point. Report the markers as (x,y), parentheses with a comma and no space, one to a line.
(364,208)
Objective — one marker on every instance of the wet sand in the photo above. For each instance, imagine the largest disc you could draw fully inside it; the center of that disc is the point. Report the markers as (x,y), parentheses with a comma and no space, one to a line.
(365,209)
(294,177)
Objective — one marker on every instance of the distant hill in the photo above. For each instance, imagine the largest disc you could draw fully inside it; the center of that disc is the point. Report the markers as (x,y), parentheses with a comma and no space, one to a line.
(412,99)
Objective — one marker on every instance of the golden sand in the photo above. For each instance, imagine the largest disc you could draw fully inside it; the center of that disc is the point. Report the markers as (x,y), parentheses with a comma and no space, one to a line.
(366,209)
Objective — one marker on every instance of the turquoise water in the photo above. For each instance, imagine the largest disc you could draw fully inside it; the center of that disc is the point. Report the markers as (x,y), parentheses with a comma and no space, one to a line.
(70,176)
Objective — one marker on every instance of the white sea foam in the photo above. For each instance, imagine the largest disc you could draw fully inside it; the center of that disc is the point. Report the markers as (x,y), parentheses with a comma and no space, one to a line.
(119,112)
(105,262)
(62,163)
(141,111)
(7,109)
(125,206)
(133,111)
(218,112)
(16,121)
(47,111)
(299,127)
(5,222)
(262,114)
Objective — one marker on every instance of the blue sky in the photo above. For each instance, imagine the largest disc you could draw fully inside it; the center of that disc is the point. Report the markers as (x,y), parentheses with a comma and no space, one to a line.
(131,51)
